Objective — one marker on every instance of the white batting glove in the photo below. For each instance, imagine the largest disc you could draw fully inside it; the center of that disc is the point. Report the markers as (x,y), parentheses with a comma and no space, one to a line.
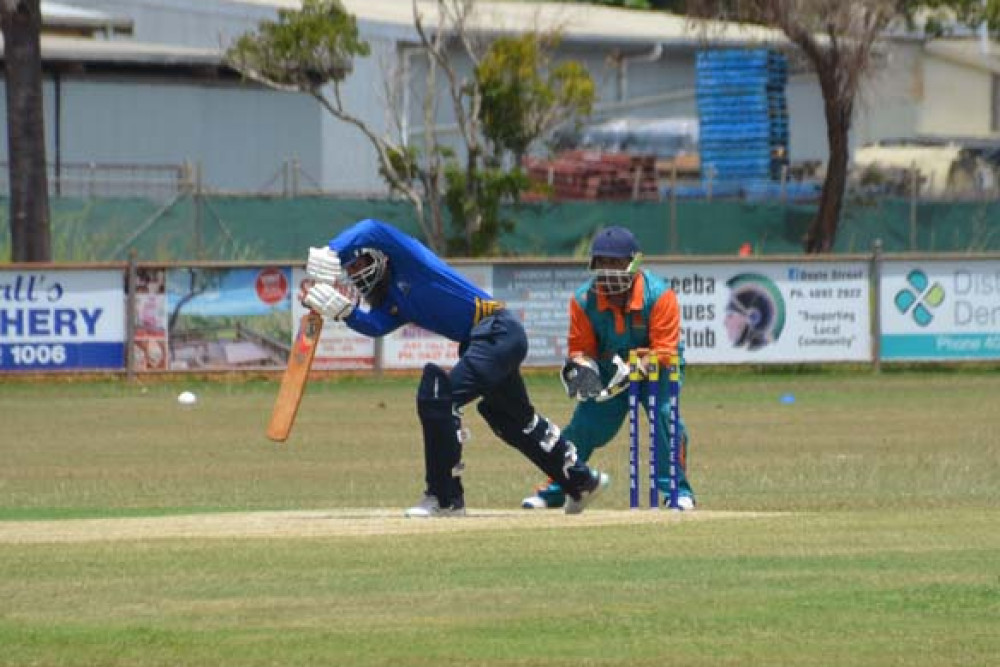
(328,302)
(323,265)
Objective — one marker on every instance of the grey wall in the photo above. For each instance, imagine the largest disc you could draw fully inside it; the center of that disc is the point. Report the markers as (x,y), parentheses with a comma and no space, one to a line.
(239,134)
(242,135)
(892,95)
(807,123)
(947,81)
(350,162)
(201,23)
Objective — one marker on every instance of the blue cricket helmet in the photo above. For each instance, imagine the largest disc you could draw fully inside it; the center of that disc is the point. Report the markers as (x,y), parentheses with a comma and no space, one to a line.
(616,242)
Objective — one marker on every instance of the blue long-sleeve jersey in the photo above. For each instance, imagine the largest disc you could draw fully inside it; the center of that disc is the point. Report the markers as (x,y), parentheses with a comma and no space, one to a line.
(423,289)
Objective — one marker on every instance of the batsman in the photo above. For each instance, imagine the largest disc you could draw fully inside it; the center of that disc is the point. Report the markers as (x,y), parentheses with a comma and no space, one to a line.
(400,281)
(621,308)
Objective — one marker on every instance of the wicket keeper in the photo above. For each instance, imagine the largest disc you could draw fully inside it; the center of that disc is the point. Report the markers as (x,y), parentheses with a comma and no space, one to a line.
(621,308)
(401,281)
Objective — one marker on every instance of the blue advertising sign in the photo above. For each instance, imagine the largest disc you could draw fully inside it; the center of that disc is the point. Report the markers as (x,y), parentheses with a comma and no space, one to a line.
(62,319)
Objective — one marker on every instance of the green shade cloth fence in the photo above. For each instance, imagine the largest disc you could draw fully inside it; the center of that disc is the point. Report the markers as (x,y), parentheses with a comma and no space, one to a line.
(214,227)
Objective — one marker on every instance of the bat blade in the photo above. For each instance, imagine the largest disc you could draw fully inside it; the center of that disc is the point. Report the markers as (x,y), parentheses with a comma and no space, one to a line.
(293,382)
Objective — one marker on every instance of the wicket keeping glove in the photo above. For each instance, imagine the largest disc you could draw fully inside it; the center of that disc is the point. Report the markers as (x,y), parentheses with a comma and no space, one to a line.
(581,378)
(323,265)
(621,376)
(328,302)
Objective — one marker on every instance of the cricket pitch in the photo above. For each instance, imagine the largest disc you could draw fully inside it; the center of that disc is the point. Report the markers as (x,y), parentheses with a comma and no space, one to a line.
(329,523)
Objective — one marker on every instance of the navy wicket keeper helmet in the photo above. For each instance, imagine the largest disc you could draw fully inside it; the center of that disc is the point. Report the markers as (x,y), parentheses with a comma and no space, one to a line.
(615,243)
(366,268)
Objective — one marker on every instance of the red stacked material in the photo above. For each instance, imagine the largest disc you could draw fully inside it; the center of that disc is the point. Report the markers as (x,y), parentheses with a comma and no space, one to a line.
(595,175)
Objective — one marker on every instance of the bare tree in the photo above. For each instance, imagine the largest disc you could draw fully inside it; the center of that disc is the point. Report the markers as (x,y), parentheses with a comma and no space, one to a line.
(21,26)
(838,38)
(466,96)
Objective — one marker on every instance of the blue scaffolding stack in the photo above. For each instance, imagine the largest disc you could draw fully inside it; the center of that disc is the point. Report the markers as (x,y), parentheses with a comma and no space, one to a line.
(743,115)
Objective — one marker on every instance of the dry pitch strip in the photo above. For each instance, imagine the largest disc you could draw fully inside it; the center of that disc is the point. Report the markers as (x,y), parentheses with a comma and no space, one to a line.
(330,523)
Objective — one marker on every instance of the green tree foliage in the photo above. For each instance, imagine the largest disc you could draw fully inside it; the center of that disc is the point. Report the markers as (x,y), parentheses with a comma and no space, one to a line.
(525,95)
(312,49)
(495,187)
(304,49)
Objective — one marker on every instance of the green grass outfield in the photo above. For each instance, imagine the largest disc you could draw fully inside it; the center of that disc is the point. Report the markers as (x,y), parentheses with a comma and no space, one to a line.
(859,525)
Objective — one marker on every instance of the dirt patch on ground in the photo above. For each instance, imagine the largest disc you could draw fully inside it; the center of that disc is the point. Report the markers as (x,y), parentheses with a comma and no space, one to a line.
(324,523)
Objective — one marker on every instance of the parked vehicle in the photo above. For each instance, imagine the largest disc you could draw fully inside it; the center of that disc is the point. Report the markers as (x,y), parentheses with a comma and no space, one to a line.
(945,166)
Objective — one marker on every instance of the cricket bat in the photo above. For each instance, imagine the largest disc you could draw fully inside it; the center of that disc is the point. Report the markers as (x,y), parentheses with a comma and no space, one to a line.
(293,382)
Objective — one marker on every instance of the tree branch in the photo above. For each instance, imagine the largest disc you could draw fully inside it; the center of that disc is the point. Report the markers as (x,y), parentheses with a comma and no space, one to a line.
(382,147)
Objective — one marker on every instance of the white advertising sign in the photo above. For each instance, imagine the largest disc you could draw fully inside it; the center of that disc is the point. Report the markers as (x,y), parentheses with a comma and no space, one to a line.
(940,310)
(539,295)
(413,347)
(339,347)
(407,347)
(772,312)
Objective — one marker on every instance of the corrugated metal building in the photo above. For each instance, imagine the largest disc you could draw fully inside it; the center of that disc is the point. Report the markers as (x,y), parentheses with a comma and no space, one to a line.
(120,101)
(149,86)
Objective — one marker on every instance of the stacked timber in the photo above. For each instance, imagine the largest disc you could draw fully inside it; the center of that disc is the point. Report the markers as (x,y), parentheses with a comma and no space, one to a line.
(595,175)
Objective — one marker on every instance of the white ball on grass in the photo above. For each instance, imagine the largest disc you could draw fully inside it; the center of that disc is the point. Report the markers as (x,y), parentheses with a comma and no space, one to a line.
(187,398)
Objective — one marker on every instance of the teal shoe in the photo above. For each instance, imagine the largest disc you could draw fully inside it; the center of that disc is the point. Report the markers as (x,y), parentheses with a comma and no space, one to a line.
(547,496)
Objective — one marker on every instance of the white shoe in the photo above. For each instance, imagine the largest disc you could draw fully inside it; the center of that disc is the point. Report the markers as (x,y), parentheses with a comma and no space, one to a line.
(599,482)
(684,503)
(534,503)
(430,507)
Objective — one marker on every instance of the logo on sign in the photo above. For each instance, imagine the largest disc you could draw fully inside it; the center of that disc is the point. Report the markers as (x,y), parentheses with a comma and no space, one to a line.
(920,298)
(755,312)
(271,285)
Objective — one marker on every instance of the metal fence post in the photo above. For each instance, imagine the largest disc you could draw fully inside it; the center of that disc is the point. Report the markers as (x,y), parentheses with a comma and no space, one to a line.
(673,207)
(130,305)
(198,251)
(379,361)
(914,186)
(875,285)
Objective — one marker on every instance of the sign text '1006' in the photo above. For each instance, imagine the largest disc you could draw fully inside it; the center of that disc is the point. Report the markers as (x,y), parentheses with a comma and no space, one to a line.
(21,355)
